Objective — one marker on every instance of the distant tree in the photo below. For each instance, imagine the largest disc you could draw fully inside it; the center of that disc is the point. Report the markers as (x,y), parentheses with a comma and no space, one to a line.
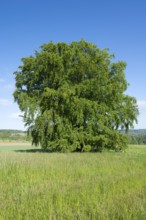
(72,97)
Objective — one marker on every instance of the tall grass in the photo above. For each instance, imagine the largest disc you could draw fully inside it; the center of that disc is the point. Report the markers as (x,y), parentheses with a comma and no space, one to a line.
(57,186)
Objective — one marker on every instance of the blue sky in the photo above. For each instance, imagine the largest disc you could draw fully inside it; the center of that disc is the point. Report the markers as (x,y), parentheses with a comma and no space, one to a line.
(115,24)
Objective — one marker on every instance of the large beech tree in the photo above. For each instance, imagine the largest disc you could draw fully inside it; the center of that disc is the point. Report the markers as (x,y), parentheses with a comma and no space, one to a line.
(73,98)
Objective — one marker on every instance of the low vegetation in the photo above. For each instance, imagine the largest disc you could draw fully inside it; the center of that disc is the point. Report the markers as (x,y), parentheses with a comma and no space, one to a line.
(57,186)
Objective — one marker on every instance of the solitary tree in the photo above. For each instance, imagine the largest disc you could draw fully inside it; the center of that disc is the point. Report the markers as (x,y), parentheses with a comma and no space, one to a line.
(72,97)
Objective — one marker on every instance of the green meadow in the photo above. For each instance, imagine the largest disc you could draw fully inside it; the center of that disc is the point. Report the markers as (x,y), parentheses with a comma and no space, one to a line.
(69,186)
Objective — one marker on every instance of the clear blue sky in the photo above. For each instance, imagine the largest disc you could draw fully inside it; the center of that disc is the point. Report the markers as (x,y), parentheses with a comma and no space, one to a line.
(119,25)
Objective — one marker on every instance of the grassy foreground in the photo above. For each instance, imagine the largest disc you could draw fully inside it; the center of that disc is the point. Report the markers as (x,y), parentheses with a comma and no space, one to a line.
(57,186)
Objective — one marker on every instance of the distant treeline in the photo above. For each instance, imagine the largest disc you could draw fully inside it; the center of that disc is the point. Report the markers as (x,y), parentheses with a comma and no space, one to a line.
(137,131)
(13,135)
(11,131)
(136,136)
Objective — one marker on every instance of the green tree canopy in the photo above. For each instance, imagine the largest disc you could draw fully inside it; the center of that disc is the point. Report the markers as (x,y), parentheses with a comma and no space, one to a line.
(73,98)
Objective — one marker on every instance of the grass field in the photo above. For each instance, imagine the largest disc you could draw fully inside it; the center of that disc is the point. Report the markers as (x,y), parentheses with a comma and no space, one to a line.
(6,145)
(59,186)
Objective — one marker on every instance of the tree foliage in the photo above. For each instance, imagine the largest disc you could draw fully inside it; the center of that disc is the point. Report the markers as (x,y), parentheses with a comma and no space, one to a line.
(73,98)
